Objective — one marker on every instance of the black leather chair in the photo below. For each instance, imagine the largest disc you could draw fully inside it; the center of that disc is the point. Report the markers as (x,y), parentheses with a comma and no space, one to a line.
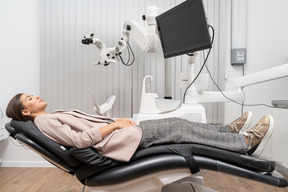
(149,169)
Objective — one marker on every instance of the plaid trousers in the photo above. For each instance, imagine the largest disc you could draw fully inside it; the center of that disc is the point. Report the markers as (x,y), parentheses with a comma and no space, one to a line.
(177,130)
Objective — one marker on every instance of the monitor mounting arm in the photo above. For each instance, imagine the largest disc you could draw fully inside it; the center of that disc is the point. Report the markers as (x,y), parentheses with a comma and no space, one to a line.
(146,39)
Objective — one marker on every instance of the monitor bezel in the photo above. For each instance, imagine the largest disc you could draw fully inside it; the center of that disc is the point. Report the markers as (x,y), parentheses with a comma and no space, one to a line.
(205,45)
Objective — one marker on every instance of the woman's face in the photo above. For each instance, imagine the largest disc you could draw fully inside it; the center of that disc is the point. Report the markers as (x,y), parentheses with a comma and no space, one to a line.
(32,104)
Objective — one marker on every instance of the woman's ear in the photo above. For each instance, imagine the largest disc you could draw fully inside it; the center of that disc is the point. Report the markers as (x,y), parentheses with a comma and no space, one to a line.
(25,112)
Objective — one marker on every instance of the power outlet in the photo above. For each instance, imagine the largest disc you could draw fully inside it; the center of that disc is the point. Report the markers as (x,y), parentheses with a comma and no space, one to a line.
(238,56)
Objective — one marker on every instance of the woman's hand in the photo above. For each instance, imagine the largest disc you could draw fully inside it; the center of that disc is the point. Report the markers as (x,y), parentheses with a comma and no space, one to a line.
(118,124)
(125,123)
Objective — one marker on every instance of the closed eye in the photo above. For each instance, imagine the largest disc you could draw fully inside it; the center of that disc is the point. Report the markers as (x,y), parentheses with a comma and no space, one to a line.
(29,98)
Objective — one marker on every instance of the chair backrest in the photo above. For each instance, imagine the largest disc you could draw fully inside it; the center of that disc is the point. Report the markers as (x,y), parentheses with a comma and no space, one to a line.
(31,136)
(67,158)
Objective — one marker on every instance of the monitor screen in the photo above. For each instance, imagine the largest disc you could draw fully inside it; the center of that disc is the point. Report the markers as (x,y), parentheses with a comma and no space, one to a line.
(183,29)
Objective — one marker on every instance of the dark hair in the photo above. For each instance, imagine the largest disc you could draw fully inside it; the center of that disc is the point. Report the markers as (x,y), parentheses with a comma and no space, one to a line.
(15,107)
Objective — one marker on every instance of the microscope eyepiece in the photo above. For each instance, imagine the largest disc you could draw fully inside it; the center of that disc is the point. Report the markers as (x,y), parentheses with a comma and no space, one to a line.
(87,41)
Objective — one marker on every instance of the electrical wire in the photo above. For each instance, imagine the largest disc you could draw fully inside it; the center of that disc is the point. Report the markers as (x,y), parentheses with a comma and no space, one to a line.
(192,187)
(133,56)
(204,63)
(242,107)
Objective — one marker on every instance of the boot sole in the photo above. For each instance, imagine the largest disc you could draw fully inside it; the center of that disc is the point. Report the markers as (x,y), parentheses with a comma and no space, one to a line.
(266,138)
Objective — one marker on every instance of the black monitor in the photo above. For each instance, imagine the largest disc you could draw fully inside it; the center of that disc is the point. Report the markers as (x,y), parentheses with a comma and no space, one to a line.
(184,29)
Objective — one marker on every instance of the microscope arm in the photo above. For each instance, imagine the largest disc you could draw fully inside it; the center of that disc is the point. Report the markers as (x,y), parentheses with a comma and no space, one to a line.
(146,39)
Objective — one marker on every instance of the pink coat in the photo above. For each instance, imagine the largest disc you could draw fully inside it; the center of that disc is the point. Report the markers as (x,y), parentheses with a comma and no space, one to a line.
(81,130)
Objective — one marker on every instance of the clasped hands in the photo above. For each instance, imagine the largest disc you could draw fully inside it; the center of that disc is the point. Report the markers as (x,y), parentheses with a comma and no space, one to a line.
(122,123)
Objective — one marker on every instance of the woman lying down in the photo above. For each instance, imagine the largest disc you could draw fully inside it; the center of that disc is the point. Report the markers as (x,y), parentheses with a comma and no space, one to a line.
(118,139)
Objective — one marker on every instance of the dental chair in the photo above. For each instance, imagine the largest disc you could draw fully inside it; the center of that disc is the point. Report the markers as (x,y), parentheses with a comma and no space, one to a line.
(149,169)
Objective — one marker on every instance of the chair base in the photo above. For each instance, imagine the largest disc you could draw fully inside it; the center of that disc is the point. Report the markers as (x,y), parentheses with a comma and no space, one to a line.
(152,182)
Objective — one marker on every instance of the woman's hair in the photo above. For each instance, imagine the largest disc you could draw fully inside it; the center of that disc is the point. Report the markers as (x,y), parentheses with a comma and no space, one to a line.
(15,107)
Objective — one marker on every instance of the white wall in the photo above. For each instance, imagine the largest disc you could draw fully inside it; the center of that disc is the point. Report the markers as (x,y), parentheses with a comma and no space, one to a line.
(19,71)
(267,46)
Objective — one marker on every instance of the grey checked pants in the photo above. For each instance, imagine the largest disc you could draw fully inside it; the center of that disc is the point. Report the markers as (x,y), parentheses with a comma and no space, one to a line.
(177,130)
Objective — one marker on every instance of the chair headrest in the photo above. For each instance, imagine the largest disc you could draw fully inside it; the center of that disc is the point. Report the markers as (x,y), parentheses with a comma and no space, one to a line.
(11,130)
(21,126)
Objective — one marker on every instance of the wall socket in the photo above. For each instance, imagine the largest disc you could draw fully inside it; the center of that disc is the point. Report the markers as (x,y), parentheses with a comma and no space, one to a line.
(238,56)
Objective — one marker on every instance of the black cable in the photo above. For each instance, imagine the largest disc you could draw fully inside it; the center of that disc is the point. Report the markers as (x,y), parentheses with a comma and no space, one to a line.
(133,56)
(193,187)
(242,107)
(128,56)
(201,66)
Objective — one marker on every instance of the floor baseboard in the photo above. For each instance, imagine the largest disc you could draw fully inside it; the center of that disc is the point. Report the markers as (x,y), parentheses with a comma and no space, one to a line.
(25,164)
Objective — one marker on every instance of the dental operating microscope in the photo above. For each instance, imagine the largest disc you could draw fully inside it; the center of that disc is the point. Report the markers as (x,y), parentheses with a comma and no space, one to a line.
(146,39)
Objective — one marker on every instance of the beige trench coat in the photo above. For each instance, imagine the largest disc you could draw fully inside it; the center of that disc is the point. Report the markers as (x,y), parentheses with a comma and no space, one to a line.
(78,129)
